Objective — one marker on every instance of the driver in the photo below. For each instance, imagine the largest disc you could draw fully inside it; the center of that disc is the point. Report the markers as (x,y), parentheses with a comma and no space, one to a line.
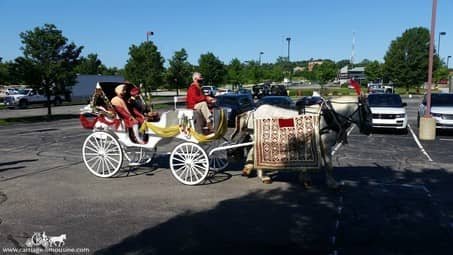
(197,101)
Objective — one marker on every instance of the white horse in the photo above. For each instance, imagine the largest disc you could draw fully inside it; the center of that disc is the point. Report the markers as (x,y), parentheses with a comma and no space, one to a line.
(57,241)
(336,116)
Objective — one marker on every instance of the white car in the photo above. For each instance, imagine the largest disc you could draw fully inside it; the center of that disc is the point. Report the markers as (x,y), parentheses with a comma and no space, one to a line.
(388,111)
(441,109)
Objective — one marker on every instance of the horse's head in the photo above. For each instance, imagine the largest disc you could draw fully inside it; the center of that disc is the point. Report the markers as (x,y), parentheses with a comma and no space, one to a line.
(364,118)
(353,110)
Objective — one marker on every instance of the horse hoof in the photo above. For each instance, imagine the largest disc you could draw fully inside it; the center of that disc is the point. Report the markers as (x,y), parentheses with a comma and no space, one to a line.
(267,180)
(308,185)
(247,170)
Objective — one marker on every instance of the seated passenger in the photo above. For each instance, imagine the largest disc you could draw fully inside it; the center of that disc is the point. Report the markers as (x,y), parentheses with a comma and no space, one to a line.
(197,101)
(137,102)
(132,119)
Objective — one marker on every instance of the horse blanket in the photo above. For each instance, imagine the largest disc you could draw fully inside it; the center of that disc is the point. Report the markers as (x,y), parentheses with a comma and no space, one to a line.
(287,142)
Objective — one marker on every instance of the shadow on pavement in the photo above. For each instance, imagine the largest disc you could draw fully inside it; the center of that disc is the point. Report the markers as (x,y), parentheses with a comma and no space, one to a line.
(378,211)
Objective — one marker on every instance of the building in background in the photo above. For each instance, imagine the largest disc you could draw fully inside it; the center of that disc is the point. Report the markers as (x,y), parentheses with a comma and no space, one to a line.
(356,73)
(86,83)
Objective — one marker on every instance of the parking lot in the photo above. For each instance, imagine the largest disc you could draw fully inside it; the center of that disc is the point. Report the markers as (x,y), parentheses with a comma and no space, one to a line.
(395,199)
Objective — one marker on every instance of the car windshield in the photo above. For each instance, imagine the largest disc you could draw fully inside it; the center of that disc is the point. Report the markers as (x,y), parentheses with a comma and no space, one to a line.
(442,99)
(385,100)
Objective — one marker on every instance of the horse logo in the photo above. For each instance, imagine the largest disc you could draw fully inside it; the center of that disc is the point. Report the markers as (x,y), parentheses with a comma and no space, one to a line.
(42,240)
(57,241)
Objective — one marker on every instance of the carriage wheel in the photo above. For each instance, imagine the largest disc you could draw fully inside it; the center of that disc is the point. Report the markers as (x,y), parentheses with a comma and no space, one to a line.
(189,163)
(102,154)
(218,160)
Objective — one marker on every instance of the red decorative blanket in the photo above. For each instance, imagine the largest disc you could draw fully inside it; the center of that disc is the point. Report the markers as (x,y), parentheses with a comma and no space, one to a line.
(287,143)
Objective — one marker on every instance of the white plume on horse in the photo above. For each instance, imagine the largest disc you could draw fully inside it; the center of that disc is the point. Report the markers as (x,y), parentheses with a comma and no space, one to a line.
(57,241)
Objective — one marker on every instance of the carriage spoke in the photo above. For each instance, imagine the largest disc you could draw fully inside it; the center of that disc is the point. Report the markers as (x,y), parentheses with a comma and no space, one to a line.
(181,168)
(89,160)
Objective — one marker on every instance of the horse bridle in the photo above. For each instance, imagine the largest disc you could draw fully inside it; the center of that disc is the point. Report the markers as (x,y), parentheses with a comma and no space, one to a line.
(343,122)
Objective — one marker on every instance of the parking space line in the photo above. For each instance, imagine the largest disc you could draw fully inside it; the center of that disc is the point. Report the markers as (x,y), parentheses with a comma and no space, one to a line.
(418,143)
(449,140)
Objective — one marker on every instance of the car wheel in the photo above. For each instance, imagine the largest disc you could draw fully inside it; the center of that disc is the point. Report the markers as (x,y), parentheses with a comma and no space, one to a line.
(23,103)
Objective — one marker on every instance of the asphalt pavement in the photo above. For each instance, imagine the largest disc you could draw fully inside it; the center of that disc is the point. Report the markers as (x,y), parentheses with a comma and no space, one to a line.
(395,199)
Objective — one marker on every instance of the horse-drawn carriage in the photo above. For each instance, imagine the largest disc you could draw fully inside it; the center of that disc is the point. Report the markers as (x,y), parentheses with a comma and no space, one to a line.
(111,143)
(279,140)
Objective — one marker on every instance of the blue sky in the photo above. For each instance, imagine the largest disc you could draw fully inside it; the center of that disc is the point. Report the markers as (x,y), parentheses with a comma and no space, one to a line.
(229,28)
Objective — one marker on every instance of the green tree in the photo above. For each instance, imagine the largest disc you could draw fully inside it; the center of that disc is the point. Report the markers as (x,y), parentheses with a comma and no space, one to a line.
(50,55)
(211,68)
(4,73)
(373,71)
(441,74)
(325,72)
(342,63)
(89,65)
(235,72)
(179,71)
(406,60)
(145,65)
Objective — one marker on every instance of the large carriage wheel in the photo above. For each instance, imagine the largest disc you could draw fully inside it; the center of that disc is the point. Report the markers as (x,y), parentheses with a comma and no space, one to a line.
(189,163)
(102,154)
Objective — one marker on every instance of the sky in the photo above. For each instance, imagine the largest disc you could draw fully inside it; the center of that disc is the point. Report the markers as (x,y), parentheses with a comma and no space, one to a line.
(319,29)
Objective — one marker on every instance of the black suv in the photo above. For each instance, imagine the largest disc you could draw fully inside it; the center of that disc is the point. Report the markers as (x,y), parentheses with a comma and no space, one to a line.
(235,105)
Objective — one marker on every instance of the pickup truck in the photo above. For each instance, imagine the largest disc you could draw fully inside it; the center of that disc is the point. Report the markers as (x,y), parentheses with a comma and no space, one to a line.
(25,97)
(380,88)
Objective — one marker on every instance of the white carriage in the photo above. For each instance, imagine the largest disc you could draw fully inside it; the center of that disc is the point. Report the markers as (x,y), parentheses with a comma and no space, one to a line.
(106,150)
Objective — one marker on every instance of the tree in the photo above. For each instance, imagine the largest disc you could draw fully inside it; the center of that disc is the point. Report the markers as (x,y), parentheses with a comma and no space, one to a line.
(373,71)
(342,63)
(179,71)
(406,60)
(4,73)
(145,65)
(211,68)
(325,72)
(49,55)
(89,65)
(234,70)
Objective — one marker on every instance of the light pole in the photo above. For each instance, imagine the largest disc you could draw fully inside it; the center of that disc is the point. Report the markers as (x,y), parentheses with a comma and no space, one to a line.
(438,43)
(289,65)
(289,40)
(259,59)
(448,58)
(427,126)
(148,34)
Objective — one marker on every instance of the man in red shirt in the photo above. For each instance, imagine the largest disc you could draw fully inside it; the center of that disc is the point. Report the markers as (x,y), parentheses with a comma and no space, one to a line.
(197,101)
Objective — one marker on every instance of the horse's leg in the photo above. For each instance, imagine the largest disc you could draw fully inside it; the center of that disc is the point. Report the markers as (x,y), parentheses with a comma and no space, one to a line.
(305,178)
(264,177)
(328,167)
(326,151)
(248,167)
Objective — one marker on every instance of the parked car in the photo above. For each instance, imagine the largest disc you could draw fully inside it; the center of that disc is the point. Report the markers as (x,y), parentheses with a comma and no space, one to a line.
(209,90)
(261,90)
(235,104)
(388,111)
(279,90)
(25,97)
(380,88)
(441,110)
(221,91)
(280,101)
